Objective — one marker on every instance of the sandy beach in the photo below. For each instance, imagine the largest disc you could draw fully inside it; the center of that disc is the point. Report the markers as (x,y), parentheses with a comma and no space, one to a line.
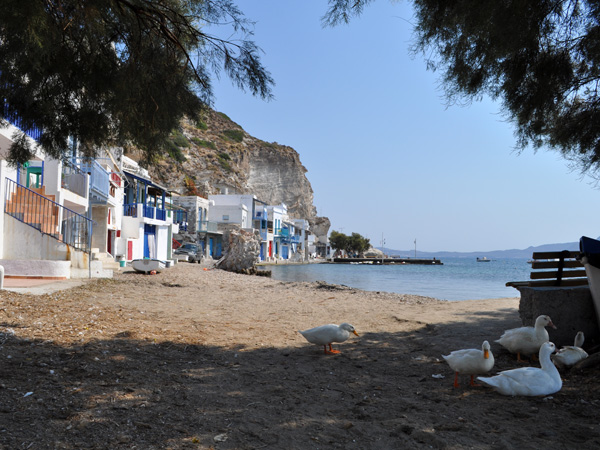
(206,359)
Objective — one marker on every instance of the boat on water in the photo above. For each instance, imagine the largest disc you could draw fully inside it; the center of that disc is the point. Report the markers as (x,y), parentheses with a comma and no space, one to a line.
(590,258)
(148,265)
(484,259)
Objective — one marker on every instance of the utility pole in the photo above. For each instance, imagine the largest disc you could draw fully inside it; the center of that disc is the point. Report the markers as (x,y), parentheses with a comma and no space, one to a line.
(415,248)
(382,244)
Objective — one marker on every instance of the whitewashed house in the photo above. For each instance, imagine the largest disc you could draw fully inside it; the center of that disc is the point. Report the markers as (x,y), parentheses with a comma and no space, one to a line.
(277,214)
(147,225)
(46,227)
(191,213)
(302,231)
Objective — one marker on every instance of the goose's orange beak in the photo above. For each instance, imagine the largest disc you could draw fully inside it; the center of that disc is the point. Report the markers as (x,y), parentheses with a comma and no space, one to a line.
(355,332)
(486,354)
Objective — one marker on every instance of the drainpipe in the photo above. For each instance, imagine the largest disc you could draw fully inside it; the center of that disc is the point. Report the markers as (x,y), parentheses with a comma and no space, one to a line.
(1,277)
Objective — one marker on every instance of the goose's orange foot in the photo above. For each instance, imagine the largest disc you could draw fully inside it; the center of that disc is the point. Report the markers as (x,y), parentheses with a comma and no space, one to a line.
(473,382)
(331,351)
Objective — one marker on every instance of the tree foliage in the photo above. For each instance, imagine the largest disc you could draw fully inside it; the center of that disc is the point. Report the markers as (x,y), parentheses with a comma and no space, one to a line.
(540,59)
(354,243)
(117,72)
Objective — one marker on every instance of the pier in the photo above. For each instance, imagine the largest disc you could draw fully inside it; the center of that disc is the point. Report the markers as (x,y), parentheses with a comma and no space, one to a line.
(389,261)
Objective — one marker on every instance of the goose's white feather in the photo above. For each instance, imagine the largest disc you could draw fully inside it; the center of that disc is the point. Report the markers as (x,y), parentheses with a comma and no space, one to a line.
(571,354)
(471,361)
(527,340)
(326,334)
(528,381)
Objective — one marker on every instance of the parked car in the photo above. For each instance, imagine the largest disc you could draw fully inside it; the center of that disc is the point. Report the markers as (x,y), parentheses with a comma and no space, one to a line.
(192,251)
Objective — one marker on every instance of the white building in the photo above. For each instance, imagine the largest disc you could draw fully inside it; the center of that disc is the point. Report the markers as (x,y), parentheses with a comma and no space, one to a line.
(45,229)
(147,227)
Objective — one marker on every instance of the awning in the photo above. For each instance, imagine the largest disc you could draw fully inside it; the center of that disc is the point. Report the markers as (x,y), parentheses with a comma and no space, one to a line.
(146,181)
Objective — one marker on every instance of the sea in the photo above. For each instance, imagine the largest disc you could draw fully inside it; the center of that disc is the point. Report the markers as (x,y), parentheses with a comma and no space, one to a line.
(456,279)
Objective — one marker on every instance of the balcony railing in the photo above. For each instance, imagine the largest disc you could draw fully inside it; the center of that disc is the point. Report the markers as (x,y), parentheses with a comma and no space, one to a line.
(205,226)
(150,212)
(34,132)
(99,177)
(73,179)
(47,216)
(180,217)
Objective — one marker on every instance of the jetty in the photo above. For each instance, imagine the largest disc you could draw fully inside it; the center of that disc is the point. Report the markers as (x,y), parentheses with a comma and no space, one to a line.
(388,261)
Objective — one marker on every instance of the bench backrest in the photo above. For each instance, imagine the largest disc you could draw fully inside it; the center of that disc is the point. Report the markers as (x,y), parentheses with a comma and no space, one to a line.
(555,269)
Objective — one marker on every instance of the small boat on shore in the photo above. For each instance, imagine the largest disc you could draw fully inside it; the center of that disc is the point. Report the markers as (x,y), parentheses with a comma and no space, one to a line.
(148,265)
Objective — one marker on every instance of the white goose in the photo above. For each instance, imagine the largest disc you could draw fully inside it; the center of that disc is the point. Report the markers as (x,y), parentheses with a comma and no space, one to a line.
(470,361)
(527,340)
(529,381)
(571,354)
(326,334)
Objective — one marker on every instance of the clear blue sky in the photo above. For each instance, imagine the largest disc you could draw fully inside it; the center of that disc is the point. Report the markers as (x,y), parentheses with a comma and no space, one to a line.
(384,154)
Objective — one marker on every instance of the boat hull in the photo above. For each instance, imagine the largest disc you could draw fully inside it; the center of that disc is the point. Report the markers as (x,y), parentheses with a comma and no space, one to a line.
(148,265)
(590,258)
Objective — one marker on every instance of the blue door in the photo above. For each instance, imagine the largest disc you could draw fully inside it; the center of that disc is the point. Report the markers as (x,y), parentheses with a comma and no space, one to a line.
(149,241)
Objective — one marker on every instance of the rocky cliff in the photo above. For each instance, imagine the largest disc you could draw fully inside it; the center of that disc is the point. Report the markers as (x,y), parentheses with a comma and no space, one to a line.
(216,154)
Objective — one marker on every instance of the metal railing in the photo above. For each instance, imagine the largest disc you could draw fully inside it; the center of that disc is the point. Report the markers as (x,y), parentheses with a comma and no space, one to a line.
(205,225)
(150,212)
(34,132)
(47,216)
(180,218)
(99,176)
(73,179)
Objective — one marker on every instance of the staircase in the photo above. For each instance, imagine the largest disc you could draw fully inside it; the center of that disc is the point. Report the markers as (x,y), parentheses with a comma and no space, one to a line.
(31,209)
(39,210)
(108,262)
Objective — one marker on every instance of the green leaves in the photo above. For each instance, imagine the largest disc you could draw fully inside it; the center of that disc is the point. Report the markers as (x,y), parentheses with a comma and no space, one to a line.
(350,244)
(117,72)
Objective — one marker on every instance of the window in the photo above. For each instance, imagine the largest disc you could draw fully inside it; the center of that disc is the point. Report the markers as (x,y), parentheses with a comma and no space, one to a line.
(225,216)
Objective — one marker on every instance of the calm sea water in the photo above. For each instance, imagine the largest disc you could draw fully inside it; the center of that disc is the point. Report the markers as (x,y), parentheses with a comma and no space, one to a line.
(456,279)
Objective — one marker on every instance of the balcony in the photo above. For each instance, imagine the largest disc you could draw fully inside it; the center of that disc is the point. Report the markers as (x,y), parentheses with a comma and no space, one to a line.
(206,226)
(148,212)
(180,218)
(73,179)
(99,179)
(33,132)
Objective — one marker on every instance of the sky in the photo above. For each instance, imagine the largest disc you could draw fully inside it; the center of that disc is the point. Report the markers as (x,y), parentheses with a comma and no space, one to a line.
(386,156)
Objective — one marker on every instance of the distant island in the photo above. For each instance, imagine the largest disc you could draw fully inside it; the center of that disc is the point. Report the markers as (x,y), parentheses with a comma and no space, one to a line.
(514,253)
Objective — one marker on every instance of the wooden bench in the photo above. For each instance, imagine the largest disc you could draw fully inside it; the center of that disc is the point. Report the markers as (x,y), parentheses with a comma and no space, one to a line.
(554,269)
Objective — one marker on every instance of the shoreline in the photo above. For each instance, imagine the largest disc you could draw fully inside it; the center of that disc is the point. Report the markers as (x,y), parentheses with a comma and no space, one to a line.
(208,359)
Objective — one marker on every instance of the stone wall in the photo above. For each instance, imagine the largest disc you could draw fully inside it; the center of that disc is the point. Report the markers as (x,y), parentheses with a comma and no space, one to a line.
(571,310)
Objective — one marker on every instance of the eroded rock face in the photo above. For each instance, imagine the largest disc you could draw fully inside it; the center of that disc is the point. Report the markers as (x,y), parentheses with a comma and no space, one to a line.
(319,226)
(277,176)
(221,155)
(242,252)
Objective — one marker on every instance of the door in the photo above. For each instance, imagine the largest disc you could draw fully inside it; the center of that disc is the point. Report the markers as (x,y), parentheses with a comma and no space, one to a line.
(109,242)
(149,241)
(34,177)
